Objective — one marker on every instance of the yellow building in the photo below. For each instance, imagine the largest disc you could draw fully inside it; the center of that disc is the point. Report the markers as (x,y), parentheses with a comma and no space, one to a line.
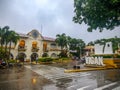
(34,45)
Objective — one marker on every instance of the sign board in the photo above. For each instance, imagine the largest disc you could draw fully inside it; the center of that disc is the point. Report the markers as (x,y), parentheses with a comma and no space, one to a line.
(98,49)
(101,49)
(108,48)
(94,61)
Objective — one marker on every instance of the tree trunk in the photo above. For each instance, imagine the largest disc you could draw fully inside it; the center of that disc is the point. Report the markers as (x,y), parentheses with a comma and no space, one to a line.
(9,50)
(6,54)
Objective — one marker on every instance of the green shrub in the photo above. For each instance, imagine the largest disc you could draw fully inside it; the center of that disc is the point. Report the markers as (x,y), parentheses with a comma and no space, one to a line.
(65,58)
(63,54)
(45,59)
(107,56)
(118,56)
(11,61)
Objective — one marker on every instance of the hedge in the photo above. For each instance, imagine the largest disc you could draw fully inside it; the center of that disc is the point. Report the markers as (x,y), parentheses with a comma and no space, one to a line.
(45,59)
(108,55)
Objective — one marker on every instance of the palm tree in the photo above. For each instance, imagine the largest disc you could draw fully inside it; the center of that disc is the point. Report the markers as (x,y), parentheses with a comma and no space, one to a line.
(3,40)
(62,42)
(2,35)
(6,38)
(12,38)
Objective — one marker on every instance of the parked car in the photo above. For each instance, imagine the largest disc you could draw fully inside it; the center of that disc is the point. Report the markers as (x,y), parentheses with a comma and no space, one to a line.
(2,64)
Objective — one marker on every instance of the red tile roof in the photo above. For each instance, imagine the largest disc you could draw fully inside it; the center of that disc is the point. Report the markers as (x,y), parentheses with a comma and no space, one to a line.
(44,37)
(48,38)
(22,35)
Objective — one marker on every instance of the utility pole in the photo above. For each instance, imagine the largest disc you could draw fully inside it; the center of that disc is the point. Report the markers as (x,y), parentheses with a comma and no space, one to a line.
(41,29)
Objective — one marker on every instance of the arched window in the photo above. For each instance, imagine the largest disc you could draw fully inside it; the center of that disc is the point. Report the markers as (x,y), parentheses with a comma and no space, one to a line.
(34,44)
(22,43)
(53,55)
(21,57)
(34,56)
(53,45)
(45,46)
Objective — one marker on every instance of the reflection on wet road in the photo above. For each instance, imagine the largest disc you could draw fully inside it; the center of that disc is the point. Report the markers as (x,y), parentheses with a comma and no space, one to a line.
(44,77)
(98,80)
(21,79)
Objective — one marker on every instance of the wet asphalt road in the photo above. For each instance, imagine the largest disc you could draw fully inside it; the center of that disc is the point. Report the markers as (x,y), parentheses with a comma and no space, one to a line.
(21,79)
(43,77)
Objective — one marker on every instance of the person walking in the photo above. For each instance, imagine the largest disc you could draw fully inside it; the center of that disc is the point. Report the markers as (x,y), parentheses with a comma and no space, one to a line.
(36,60)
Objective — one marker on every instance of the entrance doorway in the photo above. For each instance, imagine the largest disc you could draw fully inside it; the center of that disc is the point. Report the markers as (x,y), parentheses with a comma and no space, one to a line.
(21,57)
(34,56)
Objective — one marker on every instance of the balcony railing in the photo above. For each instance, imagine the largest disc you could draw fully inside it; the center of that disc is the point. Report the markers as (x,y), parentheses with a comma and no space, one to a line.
(54,49)
(35,49)
(46,50)
(22,48)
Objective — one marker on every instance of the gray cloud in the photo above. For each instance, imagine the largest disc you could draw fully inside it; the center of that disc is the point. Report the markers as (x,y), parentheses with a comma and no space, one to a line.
(55,16)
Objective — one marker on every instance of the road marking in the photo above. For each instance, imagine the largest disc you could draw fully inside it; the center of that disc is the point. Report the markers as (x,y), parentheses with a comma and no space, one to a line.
(58,73)
(117,88)
(105,86)
(83,87)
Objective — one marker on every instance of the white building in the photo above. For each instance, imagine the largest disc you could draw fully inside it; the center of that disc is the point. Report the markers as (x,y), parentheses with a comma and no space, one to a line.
(34,45)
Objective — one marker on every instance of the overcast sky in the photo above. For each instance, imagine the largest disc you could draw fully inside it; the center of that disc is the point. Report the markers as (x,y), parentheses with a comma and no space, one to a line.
(55,17)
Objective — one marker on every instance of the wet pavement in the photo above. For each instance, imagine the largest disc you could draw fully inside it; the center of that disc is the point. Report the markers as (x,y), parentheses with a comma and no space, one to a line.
(21,79)
(44,77)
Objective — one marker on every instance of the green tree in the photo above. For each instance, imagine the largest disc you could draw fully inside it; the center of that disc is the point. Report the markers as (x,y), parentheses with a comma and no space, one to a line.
(97,14)
(115,42)
(90,43)
(3,42)
(61,40)
(6,38)
(13,37)
(76,45)
(3,36)
(102,42)
(97,41)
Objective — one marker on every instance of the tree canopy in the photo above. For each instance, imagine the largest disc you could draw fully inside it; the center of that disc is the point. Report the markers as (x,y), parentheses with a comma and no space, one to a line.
(7,37)
(77,45)
(97,14)
(71,44)
(61,40)
(115,42)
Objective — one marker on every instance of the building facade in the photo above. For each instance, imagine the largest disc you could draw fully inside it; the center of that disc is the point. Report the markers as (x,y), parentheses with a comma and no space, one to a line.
(33,45)
(89,50)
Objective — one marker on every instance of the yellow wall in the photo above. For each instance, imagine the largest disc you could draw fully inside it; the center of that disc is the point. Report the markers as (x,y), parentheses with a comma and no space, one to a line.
(111,62)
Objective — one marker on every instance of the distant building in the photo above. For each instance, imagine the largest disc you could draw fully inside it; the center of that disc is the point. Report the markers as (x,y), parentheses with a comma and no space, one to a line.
(117,51)
(89,50)
(34,45)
